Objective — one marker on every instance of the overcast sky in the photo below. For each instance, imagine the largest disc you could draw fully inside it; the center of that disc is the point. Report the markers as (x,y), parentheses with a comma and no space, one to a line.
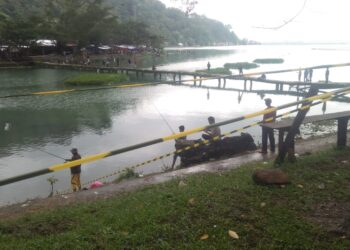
(320,20)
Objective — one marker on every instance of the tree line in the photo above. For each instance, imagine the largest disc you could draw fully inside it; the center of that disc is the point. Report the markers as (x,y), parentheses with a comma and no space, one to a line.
(138,22)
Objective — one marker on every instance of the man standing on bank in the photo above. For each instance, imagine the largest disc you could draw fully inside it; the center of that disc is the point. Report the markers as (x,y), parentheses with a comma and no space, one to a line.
(75,171)
(268,132)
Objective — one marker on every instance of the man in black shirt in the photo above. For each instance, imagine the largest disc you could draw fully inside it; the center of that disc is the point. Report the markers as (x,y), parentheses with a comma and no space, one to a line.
(75,171)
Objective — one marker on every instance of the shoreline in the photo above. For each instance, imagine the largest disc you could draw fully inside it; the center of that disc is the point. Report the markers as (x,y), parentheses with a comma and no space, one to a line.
(109,190)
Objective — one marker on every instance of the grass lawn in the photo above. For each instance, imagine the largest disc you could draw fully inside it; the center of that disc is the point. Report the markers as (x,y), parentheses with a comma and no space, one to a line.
(198,212)
(96,79)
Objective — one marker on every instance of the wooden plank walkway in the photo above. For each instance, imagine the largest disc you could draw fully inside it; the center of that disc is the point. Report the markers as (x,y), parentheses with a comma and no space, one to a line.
(177,76)
(323,85)
(285,124)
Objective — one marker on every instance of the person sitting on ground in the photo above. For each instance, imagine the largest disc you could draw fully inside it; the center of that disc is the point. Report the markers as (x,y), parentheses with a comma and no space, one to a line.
(178,142)
(75,171)
(212,132)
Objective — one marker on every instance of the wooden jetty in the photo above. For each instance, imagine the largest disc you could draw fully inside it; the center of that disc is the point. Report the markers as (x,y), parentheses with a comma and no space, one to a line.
(180,77)
(285,125)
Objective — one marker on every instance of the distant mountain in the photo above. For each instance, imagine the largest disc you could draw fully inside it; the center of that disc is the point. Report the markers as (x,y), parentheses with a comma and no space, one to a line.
(172,24)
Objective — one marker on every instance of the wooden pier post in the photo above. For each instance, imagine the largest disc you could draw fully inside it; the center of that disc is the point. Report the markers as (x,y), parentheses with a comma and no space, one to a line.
(251,85)
(219,85)
(174,77)
(245,84)
(224,83)
(342,131)
(277,87)
(180,78)
(195,80)
(288,144)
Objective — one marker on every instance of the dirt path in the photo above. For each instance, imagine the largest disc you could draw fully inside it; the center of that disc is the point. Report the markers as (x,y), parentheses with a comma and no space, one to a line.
(18,210)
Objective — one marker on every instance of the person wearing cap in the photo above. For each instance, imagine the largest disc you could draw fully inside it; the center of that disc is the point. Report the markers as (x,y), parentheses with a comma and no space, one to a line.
(179,141)
(267,133)
(75,171)
(210,133)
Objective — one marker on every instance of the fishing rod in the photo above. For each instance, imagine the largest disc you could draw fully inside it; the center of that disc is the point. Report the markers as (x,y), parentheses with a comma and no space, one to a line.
(95,157)
(163,118)
(7,128)
(50,153)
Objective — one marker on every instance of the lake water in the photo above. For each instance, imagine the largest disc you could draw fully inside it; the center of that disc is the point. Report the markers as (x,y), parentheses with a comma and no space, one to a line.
(99,121)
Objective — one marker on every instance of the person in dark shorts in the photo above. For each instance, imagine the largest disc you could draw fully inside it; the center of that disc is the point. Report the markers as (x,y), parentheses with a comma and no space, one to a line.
(267,133)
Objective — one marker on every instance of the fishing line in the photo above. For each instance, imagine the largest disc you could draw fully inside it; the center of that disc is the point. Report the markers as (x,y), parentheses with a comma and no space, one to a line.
(163,118)
(161,115)
(49,153)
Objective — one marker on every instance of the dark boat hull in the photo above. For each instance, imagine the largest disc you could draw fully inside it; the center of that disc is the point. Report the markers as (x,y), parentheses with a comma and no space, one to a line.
(226,147)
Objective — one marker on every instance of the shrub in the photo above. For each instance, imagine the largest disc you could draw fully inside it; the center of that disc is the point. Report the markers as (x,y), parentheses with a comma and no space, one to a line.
(96,79)
(217,71)
(127,174)
(269,60)
(242,65)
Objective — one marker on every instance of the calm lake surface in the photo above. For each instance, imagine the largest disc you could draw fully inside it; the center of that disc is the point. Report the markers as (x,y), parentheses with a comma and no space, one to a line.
(104,120)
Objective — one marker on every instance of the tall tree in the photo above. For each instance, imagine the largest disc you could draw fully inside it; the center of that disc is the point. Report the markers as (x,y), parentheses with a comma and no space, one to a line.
(81,21)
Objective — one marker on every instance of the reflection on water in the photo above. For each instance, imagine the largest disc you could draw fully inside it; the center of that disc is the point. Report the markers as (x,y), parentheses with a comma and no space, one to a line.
(99,121)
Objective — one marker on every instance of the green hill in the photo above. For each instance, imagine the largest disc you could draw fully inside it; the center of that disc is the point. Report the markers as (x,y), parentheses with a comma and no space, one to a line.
(172,24)
(103,21)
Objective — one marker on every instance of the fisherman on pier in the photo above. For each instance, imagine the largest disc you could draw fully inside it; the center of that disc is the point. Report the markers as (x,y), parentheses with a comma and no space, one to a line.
(311,71)
(306,75)
(327,75)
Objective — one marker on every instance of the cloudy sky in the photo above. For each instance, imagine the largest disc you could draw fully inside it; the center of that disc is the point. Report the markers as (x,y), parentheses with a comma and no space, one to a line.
(319,21)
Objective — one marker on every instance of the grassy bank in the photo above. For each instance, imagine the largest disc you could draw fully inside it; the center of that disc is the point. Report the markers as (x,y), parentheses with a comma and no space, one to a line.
(96,79)
(199,211)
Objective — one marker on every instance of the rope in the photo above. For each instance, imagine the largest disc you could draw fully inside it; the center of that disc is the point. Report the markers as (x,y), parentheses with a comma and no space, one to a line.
(99,156)
(204,142)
